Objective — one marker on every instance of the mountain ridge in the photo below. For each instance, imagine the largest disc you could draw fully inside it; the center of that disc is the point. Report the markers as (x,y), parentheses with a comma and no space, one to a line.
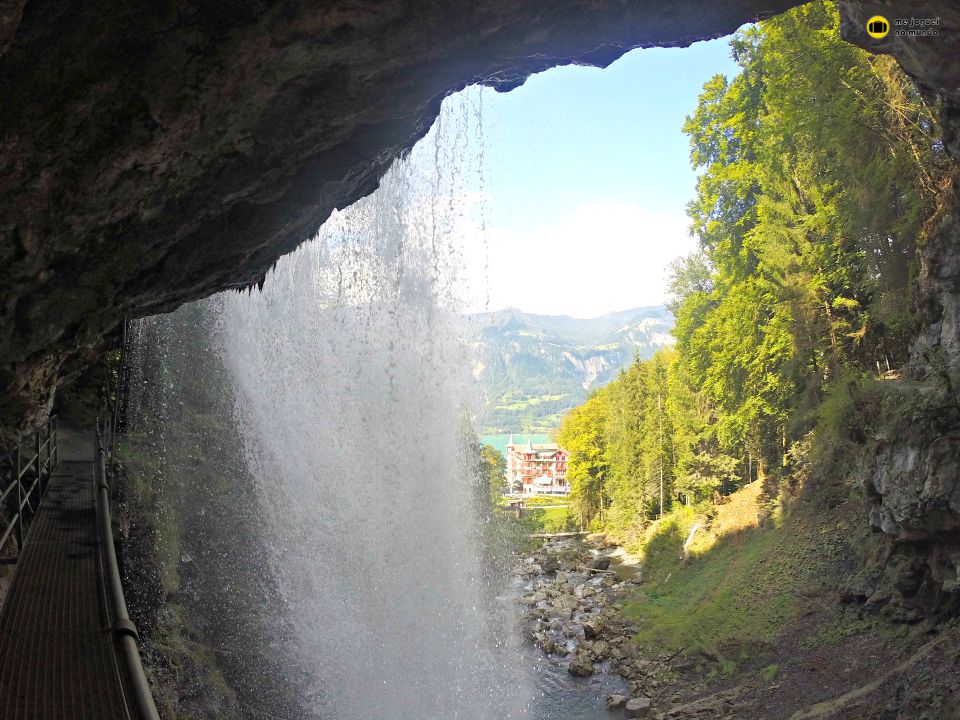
(533,367)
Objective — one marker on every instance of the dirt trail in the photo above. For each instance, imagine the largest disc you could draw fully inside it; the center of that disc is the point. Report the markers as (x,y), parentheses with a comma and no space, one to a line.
(828,707)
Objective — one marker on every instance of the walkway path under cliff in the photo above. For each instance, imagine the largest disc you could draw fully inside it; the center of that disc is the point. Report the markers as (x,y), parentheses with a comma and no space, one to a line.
(57,654)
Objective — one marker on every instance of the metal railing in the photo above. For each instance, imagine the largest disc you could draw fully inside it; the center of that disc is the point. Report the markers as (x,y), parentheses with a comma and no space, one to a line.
(25,481)
(124,631)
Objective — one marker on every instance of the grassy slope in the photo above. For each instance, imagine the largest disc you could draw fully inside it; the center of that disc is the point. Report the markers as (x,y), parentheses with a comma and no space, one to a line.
(756,609)
(741,584)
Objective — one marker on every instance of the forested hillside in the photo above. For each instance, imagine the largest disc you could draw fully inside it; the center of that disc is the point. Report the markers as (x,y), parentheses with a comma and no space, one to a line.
(534,368)
(822,172)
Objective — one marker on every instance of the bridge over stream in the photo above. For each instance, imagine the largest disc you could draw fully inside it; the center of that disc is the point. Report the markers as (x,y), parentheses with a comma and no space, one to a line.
(67,646)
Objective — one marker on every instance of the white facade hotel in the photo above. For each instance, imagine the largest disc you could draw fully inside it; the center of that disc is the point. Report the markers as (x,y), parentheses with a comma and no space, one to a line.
(539,469)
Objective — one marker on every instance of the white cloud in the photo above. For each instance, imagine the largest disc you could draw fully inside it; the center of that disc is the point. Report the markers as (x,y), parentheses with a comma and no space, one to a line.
(595,258)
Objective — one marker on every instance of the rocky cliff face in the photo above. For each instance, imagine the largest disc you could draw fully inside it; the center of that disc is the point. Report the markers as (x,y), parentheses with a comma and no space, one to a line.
(912,473)
(157,152)
(912,469)
(932,61)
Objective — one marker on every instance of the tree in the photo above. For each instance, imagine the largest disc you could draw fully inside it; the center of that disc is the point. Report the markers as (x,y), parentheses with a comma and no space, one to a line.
(819,166)
(493,469)
(816,177)
(583,434)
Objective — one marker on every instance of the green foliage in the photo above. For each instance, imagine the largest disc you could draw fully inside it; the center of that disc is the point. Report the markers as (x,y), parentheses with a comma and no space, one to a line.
(740,589)
(741,581)
(769,673)
(706,473)
(548,520)
(582,434)
(819,165)
(661,546)
(535,500)
(643,443)
(492,469)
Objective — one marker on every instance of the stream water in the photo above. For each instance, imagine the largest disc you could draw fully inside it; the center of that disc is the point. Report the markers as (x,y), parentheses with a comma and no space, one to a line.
(555,693)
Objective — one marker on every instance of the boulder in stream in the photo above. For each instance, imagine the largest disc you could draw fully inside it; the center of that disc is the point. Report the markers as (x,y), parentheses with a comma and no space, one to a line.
(600,563)
(592,629)
(580,666)
(615,702)
(638,707)
(550,564)
(600,650)
(566,601)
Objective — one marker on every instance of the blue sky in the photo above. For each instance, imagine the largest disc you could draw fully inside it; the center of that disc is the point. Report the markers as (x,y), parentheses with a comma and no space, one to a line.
(586,176)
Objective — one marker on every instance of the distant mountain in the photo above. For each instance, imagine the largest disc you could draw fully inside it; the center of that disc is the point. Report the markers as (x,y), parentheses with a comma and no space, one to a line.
(533,368)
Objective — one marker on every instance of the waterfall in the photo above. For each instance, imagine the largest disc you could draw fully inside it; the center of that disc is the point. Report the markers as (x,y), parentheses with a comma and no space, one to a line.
(350,389)
(353,385)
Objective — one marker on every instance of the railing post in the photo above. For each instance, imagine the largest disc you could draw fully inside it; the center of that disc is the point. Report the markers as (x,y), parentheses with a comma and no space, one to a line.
(49,453)
(18,517)
(38,448)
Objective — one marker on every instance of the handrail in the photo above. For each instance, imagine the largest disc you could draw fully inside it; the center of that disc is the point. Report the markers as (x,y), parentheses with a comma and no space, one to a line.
(124,631)
(37,471)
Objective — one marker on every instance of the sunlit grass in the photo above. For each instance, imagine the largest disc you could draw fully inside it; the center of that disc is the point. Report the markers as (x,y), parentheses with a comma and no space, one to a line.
(530,402)
(737,586)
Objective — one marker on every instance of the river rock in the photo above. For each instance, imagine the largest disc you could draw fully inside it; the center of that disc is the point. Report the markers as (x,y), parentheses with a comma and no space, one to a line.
(615,702)
(558,613)
(592,629)
(600,650)
(584,591)
(580,666)
(529,570)
(566,601)
(638,707)
(876,601)
(600,563)
(550,564)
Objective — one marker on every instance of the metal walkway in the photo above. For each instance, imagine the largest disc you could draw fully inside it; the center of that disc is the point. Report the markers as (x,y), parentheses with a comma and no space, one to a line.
(58,648)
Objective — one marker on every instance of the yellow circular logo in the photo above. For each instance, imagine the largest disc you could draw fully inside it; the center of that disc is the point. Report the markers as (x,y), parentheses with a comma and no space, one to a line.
(878,27)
